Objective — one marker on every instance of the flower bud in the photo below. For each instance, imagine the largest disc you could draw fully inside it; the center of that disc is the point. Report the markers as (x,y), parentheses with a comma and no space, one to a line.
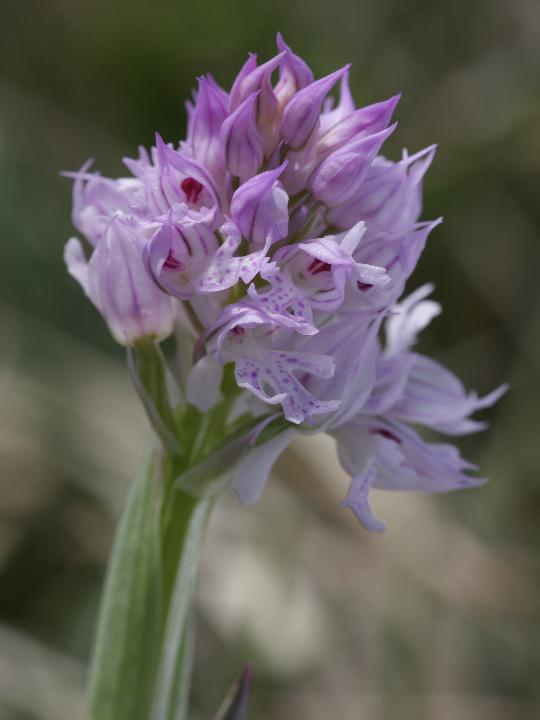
(340,176)
(259,208)
(116,281)
(235,96)
(389,197)
(365,121)
(206,118)
(301,113)
(332,115)
(241,141)
(260,79)
(294,74)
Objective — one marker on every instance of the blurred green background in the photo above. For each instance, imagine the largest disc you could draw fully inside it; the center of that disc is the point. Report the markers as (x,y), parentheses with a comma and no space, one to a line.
(439,618)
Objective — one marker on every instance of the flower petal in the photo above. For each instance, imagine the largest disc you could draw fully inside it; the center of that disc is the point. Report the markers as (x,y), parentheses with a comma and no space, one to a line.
(252,472)
(203,383)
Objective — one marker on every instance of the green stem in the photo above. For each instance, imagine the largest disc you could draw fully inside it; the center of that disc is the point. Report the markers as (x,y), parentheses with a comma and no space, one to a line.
(181,558)
(148,371)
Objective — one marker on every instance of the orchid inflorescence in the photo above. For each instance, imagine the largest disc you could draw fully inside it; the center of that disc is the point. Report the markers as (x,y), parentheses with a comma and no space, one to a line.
(279,240)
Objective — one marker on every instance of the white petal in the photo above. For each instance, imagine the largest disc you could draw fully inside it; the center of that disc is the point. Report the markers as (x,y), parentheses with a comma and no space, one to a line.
(76,262)
(203,383)
(358,499)
(409,318)
(253,471)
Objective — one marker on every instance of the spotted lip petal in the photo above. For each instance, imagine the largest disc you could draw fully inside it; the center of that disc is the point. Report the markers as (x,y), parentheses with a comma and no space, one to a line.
(223,269)
(282,306)
(261,371)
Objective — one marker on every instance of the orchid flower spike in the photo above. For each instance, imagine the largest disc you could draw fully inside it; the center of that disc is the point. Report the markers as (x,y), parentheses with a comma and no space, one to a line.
(274,243)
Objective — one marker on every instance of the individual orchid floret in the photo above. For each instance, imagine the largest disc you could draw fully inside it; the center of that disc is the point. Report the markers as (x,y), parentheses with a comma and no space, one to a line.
(249,334)
(342,126)
(185,258)
(390,195)
(294,74)
(224,268)
(320,269)
(170,179)
(392,456)
(197,183)
(359,123)
(259,208)
(432,395)
(329,256)
(398,252)
(377,446)
(237,94)
(116,281)
(258,79)
(331,115)
(241,140)
(208,114)
(340,176)
(178,254)
(259,369)
(301,115)
(254,78)
(96,199)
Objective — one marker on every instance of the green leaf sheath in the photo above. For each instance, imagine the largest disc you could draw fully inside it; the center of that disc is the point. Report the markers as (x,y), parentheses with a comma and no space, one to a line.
(142,660)
(129,627)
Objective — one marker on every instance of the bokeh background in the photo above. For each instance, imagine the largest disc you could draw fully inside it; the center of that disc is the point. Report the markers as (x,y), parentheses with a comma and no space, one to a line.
(438,618)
